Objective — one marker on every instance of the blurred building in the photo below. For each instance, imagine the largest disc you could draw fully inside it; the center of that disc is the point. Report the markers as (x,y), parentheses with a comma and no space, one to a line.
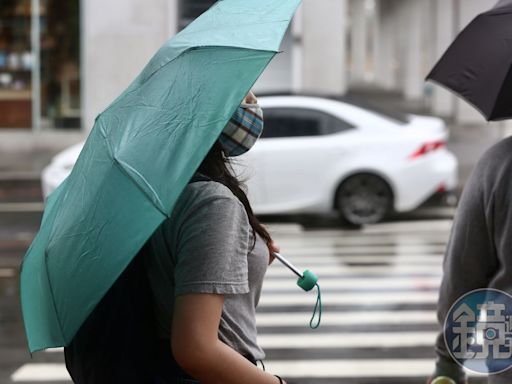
(62,62)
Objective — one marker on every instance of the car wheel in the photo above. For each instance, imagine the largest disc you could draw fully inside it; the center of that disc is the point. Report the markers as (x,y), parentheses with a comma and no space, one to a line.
(363,199)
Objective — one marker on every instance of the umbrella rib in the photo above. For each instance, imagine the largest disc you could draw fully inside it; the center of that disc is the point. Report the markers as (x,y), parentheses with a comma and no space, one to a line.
(455,93)
(123,166)
(153,197)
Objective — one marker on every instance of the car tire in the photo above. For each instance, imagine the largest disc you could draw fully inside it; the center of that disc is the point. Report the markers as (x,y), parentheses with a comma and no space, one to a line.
(363,199)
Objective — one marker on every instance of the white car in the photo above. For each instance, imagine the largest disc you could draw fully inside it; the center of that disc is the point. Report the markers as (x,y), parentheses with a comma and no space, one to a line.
(320,155)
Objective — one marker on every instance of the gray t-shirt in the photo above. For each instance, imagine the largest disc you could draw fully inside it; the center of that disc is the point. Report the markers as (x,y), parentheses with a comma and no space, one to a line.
(206,247)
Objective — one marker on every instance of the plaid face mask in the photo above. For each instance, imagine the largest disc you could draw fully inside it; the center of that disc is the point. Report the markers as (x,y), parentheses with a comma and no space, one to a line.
(242,131)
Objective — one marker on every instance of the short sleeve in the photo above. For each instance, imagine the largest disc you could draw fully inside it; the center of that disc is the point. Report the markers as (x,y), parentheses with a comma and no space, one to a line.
(212,244)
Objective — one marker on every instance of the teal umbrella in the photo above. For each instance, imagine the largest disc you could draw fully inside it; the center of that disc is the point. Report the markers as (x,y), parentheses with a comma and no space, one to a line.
(140,154)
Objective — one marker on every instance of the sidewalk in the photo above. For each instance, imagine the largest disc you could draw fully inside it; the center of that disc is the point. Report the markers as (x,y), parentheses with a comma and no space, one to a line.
(24,154)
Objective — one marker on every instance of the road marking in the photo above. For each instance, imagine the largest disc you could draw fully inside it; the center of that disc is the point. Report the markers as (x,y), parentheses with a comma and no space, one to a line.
(362,259)
(339,369)
(360,283)
(285,229)
(8,272)
(339,270)
(41,372)
(364,240)
(54,350)
(21,207)
(349,318)
(30,176)
(410,226)
(350,340)
(360,250)
(360,298)
(416,227)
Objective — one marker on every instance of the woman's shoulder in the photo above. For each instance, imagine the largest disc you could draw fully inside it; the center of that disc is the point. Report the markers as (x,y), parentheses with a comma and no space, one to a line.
(208,190)
(202,194)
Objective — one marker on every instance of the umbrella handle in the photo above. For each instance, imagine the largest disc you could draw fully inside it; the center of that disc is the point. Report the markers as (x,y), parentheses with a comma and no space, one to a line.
(307,279)
(290,266)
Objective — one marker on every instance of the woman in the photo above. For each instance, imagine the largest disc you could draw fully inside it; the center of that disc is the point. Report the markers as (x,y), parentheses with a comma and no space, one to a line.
(207,269)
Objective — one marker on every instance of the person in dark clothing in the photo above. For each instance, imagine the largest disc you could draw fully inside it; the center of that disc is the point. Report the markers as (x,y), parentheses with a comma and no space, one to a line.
(479,252)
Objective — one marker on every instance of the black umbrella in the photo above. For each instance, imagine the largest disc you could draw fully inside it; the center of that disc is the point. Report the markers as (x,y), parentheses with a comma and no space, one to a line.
(478,64)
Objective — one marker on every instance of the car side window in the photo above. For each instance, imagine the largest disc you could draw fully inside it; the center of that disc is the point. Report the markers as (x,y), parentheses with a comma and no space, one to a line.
(300,122)
(337,125)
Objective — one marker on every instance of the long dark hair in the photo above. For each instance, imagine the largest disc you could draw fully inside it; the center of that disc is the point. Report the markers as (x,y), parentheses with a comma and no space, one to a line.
(218,168)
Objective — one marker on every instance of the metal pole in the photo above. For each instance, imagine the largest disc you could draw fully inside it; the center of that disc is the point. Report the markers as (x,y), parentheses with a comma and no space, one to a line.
(36,65)
(288,264)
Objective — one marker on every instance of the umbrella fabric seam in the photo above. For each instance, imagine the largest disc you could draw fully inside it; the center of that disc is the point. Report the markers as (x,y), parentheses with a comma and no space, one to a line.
(121,164)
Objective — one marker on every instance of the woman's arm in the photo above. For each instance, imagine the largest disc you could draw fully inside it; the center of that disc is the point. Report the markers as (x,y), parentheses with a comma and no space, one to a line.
(198,350)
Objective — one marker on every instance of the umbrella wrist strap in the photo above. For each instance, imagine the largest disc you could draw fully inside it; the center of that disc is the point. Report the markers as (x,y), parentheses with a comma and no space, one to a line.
(317,309)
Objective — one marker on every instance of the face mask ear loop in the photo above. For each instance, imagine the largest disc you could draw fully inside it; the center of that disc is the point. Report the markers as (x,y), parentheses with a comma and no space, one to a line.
(318,307)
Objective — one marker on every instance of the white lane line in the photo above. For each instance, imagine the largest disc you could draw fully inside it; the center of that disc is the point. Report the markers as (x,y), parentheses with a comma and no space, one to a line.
(360,283)
(363,259)
(339,270)
(365,298)
(339,369)
(21,207)
(410,226)
(41,372)
(327,235)
(349,318)
(316,242)
(285,229)
(364,240)
(361,250)
(20,176)
(417,227)
(348,340)
(7,272)
(54,350)
(348,368)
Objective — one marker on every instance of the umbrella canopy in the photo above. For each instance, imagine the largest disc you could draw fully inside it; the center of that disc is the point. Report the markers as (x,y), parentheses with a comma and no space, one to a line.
(140,154)
(478,64)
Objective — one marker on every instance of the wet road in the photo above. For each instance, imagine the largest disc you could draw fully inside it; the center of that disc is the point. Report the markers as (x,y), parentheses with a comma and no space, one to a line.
(379,290)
